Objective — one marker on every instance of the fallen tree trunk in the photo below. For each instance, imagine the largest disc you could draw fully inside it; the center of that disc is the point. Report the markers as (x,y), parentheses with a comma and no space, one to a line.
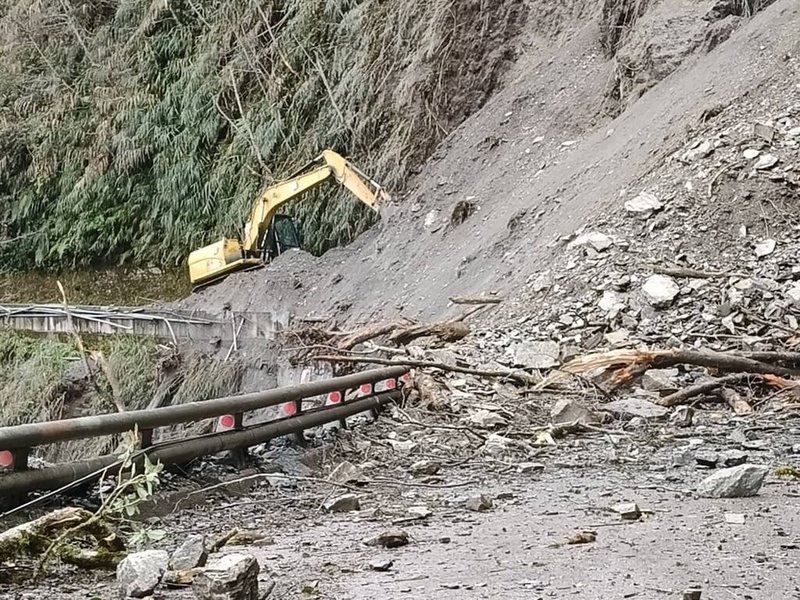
(518,376)
(446,331)
(368,333)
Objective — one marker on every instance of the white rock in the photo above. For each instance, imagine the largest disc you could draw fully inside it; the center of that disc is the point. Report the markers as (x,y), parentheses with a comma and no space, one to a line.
(138,574)
(485,419)
(595,239)
(736,482)
(766,161)
(734,518)
(496,445)
(794,132)
(655,380)
(794,293)
(610,302)
(644,204)
(571,411)
(343,503)
(750,153)
(765,248)
(660,290)
(536,355)
(231,577)
(700,150)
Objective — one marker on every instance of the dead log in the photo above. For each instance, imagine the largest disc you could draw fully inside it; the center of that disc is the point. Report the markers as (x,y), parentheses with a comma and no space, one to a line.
(33,539)
(519,376)
(733,399)
(718,360)
(368,333)
(682,396)
(445,331)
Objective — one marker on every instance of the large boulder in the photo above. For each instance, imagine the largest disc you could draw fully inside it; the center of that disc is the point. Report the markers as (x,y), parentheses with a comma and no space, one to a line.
(231,577)
(140,573)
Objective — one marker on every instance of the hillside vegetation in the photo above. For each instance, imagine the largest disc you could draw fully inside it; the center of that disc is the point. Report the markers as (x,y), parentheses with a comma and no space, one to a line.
(136,130)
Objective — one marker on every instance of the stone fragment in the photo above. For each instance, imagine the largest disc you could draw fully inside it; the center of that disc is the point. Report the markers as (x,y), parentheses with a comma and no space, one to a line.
(478,503)
(734,518)
(346,472)
(231,577)
(656,380)
(629,511)
(643,205)
(692,594)
(766,161)
(485,419)
(734,482)
(750,153)
(190,554)
(660,290)
(682,416)
(764,248)
(610,301)
(139,574)
(707,459)
(424,467)
(699,150)
(393,538)
(381,563)
(636,407)
(595,239)
(536,355)
(571,411)
(528,468)
(343,503)
(733,458)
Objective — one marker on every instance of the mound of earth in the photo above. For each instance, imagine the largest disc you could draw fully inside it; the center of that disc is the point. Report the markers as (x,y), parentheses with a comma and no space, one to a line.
(490,211)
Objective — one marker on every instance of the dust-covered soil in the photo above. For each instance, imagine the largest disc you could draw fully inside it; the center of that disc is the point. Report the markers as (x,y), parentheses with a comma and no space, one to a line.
(412,473)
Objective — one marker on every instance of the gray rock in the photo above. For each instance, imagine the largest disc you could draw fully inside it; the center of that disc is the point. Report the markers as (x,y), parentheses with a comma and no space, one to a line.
(733,458)
(734,482)
(699,150)
(346,472)
(692,594)
(707,459)
(682,416)
(343,503)
(636,407)
(660,290)
(536,355)
(766,161)
(643,205)
(393,538)
(595,239)
(571,411)
(656,380)
(764,248)
(190,554)
(527,468)
(138,574)
(381,563)
(627,510)
(231,577)
(485,419)
(424,467)
(478,503)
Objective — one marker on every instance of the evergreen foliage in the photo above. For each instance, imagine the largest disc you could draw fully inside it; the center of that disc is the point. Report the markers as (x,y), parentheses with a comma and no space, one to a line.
(133,131)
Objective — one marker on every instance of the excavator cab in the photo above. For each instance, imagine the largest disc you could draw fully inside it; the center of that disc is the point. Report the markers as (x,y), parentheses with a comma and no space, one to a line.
(281,236)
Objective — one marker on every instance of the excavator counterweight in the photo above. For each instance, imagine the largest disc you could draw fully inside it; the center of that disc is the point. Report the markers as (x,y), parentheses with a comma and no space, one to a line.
(267,234)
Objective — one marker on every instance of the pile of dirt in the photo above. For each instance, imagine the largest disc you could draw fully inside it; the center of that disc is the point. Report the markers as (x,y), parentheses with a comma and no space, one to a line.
(544,157)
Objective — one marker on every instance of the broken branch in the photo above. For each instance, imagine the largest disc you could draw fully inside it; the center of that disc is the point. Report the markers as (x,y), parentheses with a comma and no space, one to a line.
(703,388)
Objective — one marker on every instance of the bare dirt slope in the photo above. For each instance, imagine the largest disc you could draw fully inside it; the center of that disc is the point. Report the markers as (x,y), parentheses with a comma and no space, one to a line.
(543,157)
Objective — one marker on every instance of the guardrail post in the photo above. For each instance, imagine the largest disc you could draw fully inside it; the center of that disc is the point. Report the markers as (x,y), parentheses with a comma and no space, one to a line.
(145,438)
(343,396)
(299,437)
(20,462)
(238,455)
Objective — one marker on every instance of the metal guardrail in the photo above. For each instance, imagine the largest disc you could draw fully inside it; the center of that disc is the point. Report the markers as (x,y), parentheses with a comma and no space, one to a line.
(17,441)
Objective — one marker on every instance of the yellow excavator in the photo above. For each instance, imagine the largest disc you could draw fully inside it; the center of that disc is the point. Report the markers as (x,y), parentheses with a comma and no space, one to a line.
(268,234)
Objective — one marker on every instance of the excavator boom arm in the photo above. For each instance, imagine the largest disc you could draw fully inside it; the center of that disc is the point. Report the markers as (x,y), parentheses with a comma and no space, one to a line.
(348,175)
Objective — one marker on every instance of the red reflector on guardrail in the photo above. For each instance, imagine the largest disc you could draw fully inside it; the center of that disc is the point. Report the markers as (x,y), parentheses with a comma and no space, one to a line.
(6,458)
(288,409)
(335,397)
(366,388)
(226,422)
